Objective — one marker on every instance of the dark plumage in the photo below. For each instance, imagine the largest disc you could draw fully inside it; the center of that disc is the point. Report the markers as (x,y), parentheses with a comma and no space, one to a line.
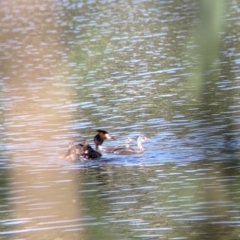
(85,151)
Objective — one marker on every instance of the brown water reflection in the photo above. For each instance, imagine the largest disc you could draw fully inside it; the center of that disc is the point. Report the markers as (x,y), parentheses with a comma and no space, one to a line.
(45,202)
(42,200)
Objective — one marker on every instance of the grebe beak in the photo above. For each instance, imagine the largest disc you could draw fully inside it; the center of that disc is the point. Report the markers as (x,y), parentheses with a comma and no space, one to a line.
(145,138)
(108,136)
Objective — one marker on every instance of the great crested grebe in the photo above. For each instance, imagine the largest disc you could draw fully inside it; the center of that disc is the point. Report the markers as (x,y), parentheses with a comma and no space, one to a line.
(111,149)
(129,151)
(85,151)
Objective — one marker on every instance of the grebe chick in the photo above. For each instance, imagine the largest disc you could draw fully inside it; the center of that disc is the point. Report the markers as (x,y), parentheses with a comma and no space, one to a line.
(71,153)
(111,149)
(129,151)
(75,152)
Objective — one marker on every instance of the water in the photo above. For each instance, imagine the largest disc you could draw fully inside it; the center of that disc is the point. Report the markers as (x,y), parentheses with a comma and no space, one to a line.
(68,68)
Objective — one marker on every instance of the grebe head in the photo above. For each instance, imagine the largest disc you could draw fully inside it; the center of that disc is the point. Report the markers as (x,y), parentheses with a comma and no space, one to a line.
(128,140)
(104,135)
(100,137)
(142,138)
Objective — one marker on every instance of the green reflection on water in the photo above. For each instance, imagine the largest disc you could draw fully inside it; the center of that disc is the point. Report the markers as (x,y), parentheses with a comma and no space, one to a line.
(193,200)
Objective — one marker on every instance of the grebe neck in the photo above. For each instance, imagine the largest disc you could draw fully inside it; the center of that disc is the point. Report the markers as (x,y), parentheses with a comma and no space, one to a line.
(139,143)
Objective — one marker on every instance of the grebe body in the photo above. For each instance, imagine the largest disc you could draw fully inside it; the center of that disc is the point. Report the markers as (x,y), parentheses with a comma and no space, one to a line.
(111,149)
(129,150)
(85,151)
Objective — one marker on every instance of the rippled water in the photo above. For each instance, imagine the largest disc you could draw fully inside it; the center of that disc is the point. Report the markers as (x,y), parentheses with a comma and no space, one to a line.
(68,68)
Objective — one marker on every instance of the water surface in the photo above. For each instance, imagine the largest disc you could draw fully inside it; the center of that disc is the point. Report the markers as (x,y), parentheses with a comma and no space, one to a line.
(69,68)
